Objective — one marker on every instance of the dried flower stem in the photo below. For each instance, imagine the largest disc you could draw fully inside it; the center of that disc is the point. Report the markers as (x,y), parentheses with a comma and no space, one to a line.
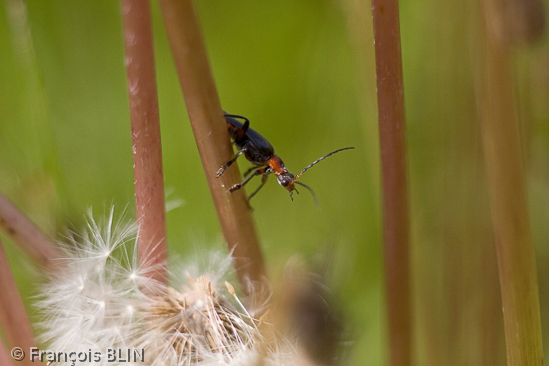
(5,358)
(14,319)
(26,234)
(516,22)
(212,138)
(147,149)
(514,243)
(392,131)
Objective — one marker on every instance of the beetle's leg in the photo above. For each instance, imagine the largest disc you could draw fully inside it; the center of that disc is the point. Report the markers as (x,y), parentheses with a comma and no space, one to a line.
(250,170)
(230,162)
(263,181)
(258,171)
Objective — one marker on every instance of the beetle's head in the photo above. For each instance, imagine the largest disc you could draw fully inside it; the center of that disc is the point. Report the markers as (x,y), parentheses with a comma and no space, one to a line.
(287,181)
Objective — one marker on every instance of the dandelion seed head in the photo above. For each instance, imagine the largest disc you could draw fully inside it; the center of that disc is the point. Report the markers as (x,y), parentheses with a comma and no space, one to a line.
(103,298)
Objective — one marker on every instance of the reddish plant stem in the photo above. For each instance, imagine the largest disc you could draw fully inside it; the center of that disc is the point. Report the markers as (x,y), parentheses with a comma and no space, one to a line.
(26,234)
(508,197)
(147,149)
(392,131)
(5,358)
(13,317)
(212,139)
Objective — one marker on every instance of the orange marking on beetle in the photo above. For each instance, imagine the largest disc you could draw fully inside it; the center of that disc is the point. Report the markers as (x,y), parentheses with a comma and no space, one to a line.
(277,165)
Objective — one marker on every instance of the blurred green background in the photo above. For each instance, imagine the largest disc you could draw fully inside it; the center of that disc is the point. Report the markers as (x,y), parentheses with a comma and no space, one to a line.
(303,72)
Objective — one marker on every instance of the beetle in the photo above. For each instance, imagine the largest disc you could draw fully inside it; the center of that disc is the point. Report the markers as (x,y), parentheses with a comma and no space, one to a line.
(259,151)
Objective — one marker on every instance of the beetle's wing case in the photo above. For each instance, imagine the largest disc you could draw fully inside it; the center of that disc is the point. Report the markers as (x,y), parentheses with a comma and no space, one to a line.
(234,126)
(263,146)
(259,149)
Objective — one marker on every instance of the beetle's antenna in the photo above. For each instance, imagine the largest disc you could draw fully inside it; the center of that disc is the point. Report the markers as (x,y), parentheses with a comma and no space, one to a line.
(318,160)
(312,192)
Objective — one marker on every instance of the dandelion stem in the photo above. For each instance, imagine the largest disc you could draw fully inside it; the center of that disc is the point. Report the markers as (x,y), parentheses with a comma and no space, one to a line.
(212,138)
(145,125)
(5,358)
(392,130)
(26,234)
(508,199)
(14,319)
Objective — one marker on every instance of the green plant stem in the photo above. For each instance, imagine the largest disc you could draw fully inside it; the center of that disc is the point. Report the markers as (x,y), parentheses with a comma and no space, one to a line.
(34,242)
(506,182)
(392,130)
(145,126)
(212,139)
(13,317)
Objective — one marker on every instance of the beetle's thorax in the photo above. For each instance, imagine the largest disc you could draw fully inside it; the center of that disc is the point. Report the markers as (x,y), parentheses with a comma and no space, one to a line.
(277,165)
(284,177)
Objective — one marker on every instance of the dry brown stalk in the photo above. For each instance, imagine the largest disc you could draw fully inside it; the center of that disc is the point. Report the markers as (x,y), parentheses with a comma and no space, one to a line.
(147,149)
(212,139)
(5,358)
(13,317)
(392,130)
(34,242)
(508,199)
